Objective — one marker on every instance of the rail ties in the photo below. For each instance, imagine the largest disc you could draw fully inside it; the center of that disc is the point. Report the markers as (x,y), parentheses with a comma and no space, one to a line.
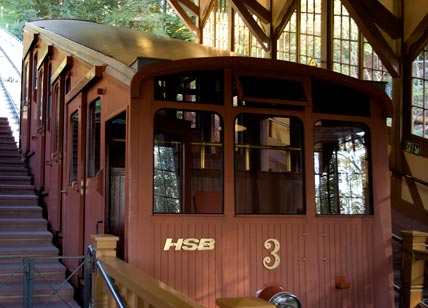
(10,80)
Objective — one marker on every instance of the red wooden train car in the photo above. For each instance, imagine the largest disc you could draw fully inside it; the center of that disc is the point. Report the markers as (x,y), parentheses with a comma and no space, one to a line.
(220,174)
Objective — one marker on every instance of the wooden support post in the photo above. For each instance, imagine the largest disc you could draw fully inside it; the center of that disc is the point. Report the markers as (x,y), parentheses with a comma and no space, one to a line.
(412,269)
(105,246)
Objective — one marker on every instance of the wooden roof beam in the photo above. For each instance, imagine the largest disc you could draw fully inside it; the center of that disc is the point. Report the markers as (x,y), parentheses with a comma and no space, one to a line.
(281,21)
(179,6)
(205,14)
(367,25)
(256,30)
(417,40)
(387,21)
(256,8)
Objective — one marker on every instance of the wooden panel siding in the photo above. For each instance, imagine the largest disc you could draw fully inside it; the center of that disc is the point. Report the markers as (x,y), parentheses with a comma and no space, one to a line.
(190,272)
(312,257)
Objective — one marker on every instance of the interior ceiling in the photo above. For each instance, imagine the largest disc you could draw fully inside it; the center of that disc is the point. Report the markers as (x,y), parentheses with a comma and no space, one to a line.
(379,25)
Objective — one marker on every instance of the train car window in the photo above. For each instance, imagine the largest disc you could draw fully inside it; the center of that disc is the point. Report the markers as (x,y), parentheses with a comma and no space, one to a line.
(342,168)
(188,162)
(264,88)
(34,75)
(26,83)
(197,87)
(49,98)
(269,172)
(57,110)
(40,97)
(74,143)
(335,99)
(67,84)
(94,134)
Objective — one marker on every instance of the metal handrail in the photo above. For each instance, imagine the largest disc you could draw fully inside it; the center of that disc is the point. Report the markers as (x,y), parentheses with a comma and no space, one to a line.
(120,302)
(409,177)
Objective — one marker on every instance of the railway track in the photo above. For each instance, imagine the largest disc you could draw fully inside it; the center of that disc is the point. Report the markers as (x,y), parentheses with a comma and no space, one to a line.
(10,79)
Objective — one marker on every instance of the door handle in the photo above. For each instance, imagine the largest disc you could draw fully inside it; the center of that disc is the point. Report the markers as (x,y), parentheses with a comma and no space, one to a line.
(82,187)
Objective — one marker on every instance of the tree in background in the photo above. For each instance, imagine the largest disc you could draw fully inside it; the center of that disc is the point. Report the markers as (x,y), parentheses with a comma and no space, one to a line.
(154,16)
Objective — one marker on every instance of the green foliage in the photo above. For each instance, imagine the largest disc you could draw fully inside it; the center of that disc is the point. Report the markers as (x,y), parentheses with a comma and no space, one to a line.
(154,16)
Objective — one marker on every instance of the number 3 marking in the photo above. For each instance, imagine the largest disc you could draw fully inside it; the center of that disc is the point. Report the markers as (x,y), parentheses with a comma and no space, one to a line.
(272,245)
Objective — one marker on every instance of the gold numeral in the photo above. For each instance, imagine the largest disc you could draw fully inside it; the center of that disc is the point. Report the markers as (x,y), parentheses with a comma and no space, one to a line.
(269,262)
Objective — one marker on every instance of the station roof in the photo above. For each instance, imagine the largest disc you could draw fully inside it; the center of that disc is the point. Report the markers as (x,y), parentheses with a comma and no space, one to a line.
(125,45)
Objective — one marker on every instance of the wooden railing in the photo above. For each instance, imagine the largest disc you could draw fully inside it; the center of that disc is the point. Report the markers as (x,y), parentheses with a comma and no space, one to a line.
(413,268)
(137,288)
(132,288)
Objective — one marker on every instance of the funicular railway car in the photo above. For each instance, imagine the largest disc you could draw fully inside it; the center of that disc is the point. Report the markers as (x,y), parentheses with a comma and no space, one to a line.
(220,174)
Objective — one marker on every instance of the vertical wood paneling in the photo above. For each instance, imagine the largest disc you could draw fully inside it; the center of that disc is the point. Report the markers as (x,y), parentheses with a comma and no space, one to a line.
(336,249)
(346,250)
(190,272)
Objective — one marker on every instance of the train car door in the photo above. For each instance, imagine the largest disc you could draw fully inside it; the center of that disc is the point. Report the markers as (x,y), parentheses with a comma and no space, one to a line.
(94,194)
(38,126)
(115,201)
(56,156)
(73,181)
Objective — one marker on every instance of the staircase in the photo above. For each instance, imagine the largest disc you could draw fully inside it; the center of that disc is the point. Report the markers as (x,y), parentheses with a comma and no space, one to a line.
(24,236)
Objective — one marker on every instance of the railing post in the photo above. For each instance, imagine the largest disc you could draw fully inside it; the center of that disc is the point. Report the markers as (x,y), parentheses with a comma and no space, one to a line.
(105,246)
(412,269)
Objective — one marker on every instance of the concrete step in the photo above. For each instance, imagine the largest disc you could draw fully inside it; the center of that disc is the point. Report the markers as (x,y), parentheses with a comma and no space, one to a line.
(13,171)
(23,224)
(8,147)
(5,163)
(12,292)
(29,251)
(16,189)
(16,238)
(15,179)
(42,271)
(8,150)
(14,199)
(23,211)
(39,303)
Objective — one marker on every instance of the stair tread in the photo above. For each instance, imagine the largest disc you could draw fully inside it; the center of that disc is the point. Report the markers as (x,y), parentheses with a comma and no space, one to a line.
(29,219)
(19,209)
(45,266)
(21,196)
(7,207)
(16,234)
(44,304)
(27,186)
(28,247)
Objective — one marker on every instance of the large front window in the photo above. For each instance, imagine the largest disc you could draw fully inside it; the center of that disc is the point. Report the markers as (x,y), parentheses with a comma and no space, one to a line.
(341,161)
(188,162)
(269,165)
(420,94)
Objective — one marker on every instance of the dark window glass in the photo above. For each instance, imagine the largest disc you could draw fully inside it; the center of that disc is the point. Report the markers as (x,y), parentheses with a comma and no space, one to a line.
(74,143)
(195,87)
(49,97)
(269,165)
(40,100)
(271,88)
(341,160)
(26,83)
(94,134)
(188,162)
(34,75)
(330,98)
(57,109)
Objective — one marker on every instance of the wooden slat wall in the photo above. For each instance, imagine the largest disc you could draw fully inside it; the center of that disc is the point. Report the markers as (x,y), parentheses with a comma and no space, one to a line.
(307,271)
